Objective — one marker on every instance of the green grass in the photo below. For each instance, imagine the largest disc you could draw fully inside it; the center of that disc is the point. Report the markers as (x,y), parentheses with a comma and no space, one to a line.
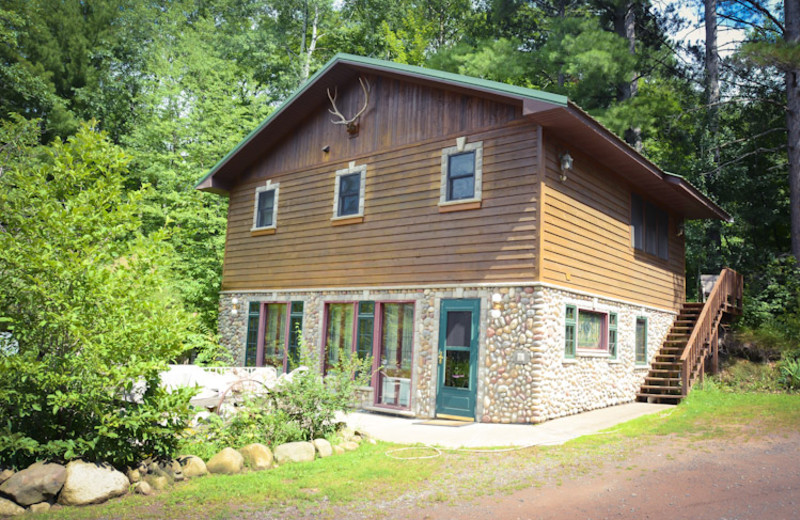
(319,488)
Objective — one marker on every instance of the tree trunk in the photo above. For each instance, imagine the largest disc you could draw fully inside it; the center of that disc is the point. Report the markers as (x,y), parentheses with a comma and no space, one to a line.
(625,26)
(712,75)
(792,36)
(312,45)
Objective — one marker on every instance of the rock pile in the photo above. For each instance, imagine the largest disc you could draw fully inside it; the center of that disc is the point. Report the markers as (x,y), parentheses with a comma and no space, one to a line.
(45,484)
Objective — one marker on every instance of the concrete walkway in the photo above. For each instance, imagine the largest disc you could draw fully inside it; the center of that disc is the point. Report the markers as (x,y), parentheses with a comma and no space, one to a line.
(480,435)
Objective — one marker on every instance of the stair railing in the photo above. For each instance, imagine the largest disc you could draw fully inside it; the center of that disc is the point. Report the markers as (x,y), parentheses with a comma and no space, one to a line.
(726,296)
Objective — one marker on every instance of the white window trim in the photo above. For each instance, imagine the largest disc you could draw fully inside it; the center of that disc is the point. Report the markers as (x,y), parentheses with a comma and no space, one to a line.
(267,187)
(352,168)
(461,147)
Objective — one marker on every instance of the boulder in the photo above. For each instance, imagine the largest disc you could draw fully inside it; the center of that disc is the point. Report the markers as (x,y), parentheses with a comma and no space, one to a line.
(257,456)
(134,475)
(40,482)
(143,488)
(337,450)
(5,475)
(172,469)
(350,446)
(90,483)
(41,507)
(159,482)
(323,447)
(346,433)
(294,452)
(192,466)
(9,508)
(228,462)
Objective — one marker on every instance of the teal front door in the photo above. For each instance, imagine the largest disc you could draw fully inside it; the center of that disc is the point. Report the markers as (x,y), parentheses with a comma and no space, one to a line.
(458,359)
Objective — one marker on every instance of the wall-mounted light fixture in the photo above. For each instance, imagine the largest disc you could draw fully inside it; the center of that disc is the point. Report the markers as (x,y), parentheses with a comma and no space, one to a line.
(326,149)
(235,309)
(566,165)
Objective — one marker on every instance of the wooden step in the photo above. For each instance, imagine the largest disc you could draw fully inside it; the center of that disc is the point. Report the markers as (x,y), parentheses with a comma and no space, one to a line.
(660,399)
(661,390)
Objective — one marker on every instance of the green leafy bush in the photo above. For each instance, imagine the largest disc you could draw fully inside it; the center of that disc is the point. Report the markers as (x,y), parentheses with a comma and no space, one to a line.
(300,408)
(91,308)
(789,369)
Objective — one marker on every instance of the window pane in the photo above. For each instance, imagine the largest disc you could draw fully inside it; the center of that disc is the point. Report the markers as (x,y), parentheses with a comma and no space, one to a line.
(348,205)
(252,334)
(350,184)
(461,165)
(297,307)
(637,222)
(641,340)
(590,330)
(459,328)
(364,343)
(275,335)
(663,235)
(456,369)
(339,331)
(463,188)
(651,229)
(266,202)
(569,340)
(395,356)
(295,331)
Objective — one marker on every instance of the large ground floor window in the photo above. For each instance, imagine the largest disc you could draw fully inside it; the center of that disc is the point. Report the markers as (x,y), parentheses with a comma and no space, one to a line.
(273,335)
(384,330)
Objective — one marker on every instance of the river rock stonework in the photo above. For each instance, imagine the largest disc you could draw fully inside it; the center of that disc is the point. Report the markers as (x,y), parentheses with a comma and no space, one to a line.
(523,375)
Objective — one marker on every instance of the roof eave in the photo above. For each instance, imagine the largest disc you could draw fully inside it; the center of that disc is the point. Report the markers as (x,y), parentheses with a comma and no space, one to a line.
(688,190)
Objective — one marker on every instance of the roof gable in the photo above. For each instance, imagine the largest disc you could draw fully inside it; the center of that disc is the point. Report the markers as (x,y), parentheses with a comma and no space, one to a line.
(556,113)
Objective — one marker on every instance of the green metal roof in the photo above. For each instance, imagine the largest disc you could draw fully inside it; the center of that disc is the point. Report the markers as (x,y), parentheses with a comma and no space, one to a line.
(436,75)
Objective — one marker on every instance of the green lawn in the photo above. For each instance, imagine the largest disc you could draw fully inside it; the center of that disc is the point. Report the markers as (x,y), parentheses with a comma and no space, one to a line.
(324,485)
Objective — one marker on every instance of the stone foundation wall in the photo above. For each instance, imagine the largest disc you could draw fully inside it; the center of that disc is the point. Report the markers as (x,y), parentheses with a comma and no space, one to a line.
(592,380)
(523,376)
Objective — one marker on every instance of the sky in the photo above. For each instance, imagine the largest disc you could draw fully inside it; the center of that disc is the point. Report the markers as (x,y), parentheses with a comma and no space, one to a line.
(728,38)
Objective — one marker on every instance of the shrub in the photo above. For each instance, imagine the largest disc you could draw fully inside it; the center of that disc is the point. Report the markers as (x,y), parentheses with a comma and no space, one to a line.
(89,303)
(302,407)
(789,369)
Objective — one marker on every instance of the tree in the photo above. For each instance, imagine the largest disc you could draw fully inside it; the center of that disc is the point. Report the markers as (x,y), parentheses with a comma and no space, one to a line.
(91,306)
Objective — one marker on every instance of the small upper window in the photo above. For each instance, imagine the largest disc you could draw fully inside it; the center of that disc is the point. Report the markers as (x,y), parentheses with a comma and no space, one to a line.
(462,172)
(461,176)
(265,214)
(348,201)
(649,228)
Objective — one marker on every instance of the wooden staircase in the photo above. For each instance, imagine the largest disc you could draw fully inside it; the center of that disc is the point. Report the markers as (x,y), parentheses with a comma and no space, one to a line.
(691,341)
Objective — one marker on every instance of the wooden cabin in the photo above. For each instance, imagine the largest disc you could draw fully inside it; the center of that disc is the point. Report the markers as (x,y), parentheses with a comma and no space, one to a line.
(501,255)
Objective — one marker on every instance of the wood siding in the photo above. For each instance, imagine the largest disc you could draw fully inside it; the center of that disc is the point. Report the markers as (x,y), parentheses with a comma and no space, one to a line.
(404,239)
(399,113)
(586,238)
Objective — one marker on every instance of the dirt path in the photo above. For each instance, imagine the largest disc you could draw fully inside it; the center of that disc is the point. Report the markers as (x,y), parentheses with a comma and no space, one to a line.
(750,479)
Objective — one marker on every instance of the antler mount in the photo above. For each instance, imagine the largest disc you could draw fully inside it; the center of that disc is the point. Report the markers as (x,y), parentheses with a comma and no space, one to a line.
(351,124)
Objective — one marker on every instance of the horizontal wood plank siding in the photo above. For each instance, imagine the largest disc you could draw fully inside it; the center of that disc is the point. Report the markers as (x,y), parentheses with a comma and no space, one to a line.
(586,238)
(404,240)
(399,113)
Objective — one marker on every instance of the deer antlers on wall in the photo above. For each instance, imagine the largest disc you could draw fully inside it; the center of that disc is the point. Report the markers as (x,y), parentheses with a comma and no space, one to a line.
(352,123)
